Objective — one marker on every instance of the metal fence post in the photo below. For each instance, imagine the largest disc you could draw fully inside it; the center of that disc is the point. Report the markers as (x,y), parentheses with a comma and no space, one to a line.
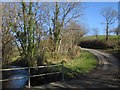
(62,71)
(29,77)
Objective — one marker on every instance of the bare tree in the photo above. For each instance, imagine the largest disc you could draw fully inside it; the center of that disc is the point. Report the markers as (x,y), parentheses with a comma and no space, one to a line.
(61,15)
(27,23)
(95,31)
(7,38)
(115,30)
(110,16)
(71,35)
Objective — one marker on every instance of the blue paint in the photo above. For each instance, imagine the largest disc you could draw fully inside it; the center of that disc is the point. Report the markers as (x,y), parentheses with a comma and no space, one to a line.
(19,83)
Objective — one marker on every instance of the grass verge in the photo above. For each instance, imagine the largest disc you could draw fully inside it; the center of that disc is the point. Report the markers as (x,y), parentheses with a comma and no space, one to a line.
(80,65)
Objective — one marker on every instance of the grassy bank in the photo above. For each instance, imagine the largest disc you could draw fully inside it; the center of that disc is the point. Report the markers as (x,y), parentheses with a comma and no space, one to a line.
(80,65)
(72,69)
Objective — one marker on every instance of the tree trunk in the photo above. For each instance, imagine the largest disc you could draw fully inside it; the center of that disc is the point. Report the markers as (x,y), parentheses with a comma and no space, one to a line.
(107,32)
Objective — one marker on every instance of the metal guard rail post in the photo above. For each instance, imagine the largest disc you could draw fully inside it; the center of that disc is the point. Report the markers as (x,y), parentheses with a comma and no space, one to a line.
(10,69)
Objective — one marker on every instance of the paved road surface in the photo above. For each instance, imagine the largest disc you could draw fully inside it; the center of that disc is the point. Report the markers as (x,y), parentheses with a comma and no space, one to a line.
(104,76)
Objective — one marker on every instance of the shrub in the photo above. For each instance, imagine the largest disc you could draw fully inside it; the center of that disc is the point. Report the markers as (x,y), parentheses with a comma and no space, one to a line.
(95,44)
(74,52)
(49,57)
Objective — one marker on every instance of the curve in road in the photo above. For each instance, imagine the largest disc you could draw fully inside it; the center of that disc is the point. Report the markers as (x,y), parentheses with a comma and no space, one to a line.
(106,75)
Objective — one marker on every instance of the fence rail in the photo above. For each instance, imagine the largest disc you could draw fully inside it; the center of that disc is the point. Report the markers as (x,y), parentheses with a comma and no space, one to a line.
(9,69)
(29,71)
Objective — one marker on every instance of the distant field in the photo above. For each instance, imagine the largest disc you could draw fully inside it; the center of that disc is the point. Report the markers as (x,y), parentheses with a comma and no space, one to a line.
(100,41)
(100,37)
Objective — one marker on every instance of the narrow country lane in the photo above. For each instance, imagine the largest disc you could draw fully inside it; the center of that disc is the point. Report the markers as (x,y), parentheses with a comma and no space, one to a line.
(106,75)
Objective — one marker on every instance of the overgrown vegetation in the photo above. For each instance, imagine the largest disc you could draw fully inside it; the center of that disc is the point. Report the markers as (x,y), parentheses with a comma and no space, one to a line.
(100,42)
(74,67)
(95,44)
(38,31)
